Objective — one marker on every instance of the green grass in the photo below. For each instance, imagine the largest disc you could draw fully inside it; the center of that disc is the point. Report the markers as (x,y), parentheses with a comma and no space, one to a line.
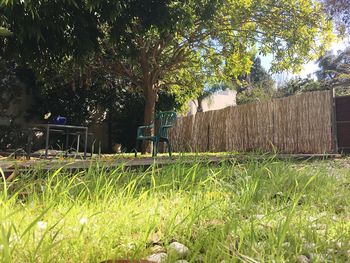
(252,211)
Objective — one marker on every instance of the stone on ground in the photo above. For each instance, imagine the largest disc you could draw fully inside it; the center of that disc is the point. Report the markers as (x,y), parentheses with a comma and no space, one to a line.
(179,249)
(158,249)
(303,259)
(158,257)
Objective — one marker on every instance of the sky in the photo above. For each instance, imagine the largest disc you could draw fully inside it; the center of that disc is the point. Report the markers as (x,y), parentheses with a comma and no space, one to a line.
(308,69)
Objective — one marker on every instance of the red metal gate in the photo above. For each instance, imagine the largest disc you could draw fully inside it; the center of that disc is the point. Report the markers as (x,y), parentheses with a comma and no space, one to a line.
(342,105)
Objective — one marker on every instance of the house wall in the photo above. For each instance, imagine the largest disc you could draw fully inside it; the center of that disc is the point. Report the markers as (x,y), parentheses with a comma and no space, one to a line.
(217,101)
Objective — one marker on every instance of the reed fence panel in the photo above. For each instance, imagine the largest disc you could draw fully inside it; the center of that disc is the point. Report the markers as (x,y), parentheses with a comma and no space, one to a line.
(295,124)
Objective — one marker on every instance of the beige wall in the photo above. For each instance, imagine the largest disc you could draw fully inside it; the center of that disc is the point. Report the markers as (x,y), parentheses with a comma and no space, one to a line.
(217,101)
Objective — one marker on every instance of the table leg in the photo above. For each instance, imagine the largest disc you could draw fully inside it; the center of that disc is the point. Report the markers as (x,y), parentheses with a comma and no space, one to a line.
(66,145)
(47,141)
(86,142)
(78,142)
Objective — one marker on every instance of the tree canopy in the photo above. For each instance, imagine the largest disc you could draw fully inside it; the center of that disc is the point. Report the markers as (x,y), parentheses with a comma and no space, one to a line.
(178,45)
(257,85)
(298,85)
(335,69)
(5,32)
(339,12)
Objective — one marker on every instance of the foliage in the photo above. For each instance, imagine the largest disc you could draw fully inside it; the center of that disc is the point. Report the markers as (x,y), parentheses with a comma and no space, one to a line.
(263,211)
(5,32)
(10,87)
(258,85)
(15,84)
(339,12)
(335,70)
(81,106)
(299,85)
(171,45)
(188,45)
(12,137)
(106,100)
(47,32)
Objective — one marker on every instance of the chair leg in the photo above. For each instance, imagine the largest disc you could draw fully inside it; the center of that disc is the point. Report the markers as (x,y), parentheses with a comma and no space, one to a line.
(169,148)
(136,147)
(155,148)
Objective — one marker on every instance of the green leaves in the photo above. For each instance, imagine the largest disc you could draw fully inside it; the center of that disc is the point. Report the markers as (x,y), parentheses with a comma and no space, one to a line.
(335,69)
(5,32)
(172,46)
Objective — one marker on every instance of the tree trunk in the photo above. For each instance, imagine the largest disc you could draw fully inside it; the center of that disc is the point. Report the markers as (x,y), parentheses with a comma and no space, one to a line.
(200,104)
(150,104)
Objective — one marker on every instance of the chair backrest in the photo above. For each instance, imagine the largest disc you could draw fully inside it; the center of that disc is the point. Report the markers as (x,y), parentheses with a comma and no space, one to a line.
(164,119)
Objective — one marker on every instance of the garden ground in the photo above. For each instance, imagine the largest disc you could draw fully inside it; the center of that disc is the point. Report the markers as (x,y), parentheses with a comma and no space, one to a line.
(252,211)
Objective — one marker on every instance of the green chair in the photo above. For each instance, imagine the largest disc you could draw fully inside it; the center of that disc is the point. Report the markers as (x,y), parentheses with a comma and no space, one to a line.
(162,122)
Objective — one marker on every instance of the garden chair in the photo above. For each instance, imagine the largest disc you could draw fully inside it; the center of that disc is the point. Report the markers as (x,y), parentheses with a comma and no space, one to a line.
(162,122)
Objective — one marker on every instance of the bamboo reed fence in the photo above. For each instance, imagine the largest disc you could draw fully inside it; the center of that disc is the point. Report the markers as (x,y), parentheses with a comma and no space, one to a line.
(295,124)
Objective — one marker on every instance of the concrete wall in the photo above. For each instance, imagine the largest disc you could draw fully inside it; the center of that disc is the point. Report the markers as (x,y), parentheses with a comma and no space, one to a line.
(216,101)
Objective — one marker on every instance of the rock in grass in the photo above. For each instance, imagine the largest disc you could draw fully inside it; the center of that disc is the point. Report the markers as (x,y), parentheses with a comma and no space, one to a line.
(179,249)
(200,258)
(158,249)
(154,238)
(259,217)
(181,261)
(309,246)
(303,259)
(158,257)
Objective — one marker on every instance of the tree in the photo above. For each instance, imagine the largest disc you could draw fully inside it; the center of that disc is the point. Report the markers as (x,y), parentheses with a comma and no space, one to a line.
(339,12)
(335,69)
(14,85)
(5,32)
(55,39)
(45,32)
(299,85)
(174,46)
(257,85)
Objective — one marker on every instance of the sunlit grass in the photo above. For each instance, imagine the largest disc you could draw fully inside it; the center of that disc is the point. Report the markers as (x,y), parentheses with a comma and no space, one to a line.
(251,211)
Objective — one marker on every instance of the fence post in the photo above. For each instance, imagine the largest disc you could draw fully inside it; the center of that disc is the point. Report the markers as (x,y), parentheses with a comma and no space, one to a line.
(334,121)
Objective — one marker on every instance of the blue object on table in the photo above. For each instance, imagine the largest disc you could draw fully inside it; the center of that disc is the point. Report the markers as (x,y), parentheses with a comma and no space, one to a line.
(59,120)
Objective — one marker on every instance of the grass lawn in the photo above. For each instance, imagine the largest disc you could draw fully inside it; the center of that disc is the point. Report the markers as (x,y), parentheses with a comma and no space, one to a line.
(256,211)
